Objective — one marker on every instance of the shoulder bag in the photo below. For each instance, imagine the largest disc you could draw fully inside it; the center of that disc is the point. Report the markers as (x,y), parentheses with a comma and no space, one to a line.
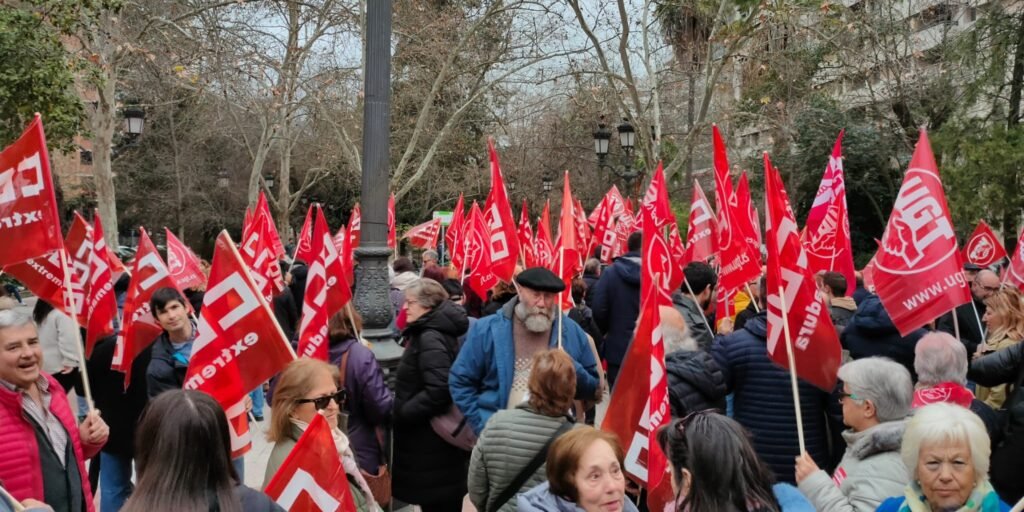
(531,468)
(379,484)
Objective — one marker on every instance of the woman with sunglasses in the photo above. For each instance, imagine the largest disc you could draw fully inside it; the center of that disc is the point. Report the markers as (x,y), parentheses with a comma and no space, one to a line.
(715,469)
(308,387)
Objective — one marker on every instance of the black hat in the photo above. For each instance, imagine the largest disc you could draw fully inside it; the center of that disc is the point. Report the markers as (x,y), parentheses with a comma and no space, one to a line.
(540,279)
(971,267)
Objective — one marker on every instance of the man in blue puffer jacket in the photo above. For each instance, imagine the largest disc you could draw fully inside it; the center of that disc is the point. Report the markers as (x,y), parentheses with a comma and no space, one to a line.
(763,399)
(617,305)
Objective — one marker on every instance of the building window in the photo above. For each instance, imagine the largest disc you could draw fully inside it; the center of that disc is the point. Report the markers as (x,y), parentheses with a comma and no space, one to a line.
(85,157)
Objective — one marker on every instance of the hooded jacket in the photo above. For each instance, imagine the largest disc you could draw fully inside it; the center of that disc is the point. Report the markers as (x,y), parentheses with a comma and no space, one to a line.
(616,307)
(872,333)
(369,401)
(763,400)
(871,471)
(695,383)
(426,468)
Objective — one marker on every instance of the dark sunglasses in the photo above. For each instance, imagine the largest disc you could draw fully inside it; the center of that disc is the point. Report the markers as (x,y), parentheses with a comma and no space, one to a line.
(322,402)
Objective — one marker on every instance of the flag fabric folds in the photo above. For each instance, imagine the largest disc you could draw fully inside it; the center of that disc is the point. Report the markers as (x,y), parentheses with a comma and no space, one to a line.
(312,478)
(29,222)
(983,247)
(827,232)
(183,264)
(327,291)
(502,240)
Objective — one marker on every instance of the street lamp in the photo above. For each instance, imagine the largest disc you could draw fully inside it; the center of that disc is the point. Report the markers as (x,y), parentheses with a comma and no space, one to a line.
(134,121)
(627,136)
(601,138)
(512,185)
(222,179)
(269,180)
(547,181)
(627,141)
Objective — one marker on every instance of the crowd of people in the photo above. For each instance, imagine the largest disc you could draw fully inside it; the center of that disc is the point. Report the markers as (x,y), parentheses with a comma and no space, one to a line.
(493,404)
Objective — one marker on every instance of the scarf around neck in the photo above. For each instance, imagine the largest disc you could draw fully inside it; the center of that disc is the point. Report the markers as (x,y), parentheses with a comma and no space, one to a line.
(982,499)
(949,392)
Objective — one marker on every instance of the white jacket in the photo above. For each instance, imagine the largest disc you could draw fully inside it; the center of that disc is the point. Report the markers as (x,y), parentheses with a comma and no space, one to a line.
(57,337)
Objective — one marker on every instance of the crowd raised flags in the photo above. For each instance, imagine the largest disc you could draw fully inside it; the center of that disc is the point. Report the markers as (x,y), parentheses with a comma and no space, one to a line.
(327,290)
(827,231)
(918,269)
(983,247)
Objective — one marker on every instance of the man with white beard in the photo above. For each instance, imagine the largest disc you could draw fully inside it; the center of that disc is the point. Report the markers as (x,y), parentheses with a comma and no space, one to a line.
(493,366)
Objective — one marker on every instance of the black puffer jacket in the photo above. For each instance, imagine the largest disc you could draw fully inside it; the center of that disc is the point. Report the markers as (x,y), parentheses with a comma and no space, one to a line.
(426,468)
(1002,367)
(695,382)
(872,333)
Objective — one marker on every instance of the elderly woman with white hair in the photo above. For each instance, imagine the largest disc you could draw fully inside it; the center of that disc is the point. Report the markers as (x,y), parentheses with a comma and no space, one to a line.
(946,452)
(876,400)
(940,362)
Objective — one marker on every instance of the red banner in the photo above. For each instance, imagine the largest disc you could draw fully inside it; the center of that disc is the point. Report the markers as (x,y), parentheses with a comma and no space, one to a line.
(29,223)
(656,261)
(502,242)
(238,343)
(815,344)
(525,232)
(101,304)
(183,264)
(478,257)
(919,274)
(656,199)
(327,292)
(543,247)
(392,237)
(639,406)
(424,236)
(149,273)
(827,232)
(44,277)
(983,247)
(312,479)
(454,236)
(304,244)
(258,253)
(746,216)
(738,264)
(701,233)
(678,254)
(78,244)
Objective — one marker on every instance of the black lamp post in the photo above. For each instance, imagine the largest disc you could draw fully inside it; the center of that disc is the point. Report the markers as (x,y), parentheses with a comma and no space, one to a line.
(627,141)
(269,180)
(547,182)
(134,120)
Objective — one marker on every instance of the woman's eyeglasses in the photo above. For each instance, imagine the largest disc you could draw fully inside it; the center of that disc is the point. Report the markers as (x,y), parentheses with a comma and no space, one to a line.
(322,402)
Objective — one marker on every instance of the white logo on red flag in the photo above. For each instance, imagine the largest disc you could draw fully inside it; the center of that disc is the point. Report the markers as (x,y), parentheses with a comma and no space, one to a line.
(502,240)
(543,246)
(102,305)
(29,224)
(827,232)
(478,257)
(983,248)
(312,478)
(1014,273)
(304,245)
(424,236)
(183,264)
(327,291)
(700,235)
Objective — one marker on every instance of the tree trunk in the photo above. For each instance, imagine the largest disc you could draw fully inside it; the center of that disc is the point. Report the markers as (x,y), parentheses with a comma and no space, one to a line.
(1017,79)
(102,123)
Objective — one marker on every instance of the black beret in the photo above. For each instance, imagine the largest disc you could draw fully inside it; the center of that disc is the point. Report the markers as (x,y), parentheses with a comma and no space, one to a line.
(540,279)
(971,267)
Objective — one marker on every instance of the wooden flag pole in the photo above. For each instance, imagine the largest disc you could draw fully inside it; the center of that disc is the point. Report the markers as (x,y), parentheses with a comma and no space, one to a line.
(561,265)
(1019,507)
(750,294)
(15,503)
(352,321)
(702,315)
(956,325)
(981,326)
(79,347)
(792,371)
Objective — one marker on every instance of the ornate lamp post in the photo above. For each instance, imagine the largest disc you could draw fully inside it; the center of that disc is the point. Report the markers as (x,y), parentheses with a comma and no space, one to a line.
(627,141)
(547,182)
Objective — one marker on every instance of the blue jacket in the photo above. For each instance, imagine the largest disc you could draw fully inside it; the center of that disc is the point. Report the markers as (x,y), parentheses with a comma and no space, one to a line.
(540,499)
(894,504)
(763,400)
(871,332)
(481,378)
(616,306)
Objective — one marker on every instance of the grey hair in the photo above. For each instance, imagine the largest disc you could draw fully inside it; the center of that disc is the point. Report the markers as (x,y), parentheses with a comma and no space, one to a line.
(946,423)
(427,292)
(14,318)
(676,339)
(430,253)
(938,358)
(884,382)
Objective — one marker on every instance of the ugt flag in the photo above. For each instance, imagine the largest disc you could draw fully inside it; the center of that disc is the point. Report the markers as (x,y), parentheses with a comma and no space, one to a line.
(29,224)
(983,248)
(827,232)
(918,270)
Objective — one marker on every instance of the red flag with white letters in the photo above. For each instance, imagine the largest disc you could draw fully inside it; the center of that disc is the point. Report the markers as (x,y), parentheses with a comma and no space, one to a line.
(304,244)
(525,233)
(238,344)
(392,237)
(918,269)
(257,252)
(746,216)
(639,406)
(44,277)
(263,212)
(502,242)
(827,232)
(816,349)
(543,246)
(478,257)
(149,274)
(78,244)
(29,223)
(655,260)
(424,236)
(183,264)
(656,200)
(101,305)
(312,479)
(701,233)
(327,291)
(1014,273)
(983,247)
(738,264)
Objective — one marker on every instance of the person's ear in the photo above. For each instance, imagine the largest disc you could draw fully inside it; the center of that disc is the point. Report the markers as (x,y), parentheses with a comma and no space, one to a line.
(870,411)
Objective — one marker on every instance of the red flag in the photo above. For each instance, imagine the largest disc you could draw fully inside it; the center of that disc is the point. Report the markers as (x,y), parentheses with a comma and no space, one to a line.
(983,248)
(115,263)
(355,227)
(827,232)
(868,275)
(503,243)
(327,291)
(140,327)
(746,216)
(567,252)
(1014,273)
(238,343)
(183,264)
(678,254)
(392,238)
(424,236)
(454,236)
(738,264)
(478,257)
(312,479)
(656,199)
(44,277)
(639,406)
(612,197)
(526,243)
(655,260)
(919,272)
(304,245)
(582,231)
(700,235)
(78,245)
(263,211)
(238,429)
(624,227)
(29,224)
(101,304)
(816,349)
(258,254)
(544,248)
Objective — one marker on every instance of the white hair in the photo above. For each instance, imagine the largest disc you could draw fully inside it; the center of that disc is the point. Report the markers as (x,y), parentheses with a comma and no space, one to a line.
(676,339)
(14,318)
(883,381)
(946,423)
(938,358)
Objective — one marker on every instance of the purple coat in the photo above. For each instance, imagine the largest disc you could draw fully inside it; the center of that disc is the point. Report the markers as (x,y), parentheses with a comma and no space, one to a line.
(369,401)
